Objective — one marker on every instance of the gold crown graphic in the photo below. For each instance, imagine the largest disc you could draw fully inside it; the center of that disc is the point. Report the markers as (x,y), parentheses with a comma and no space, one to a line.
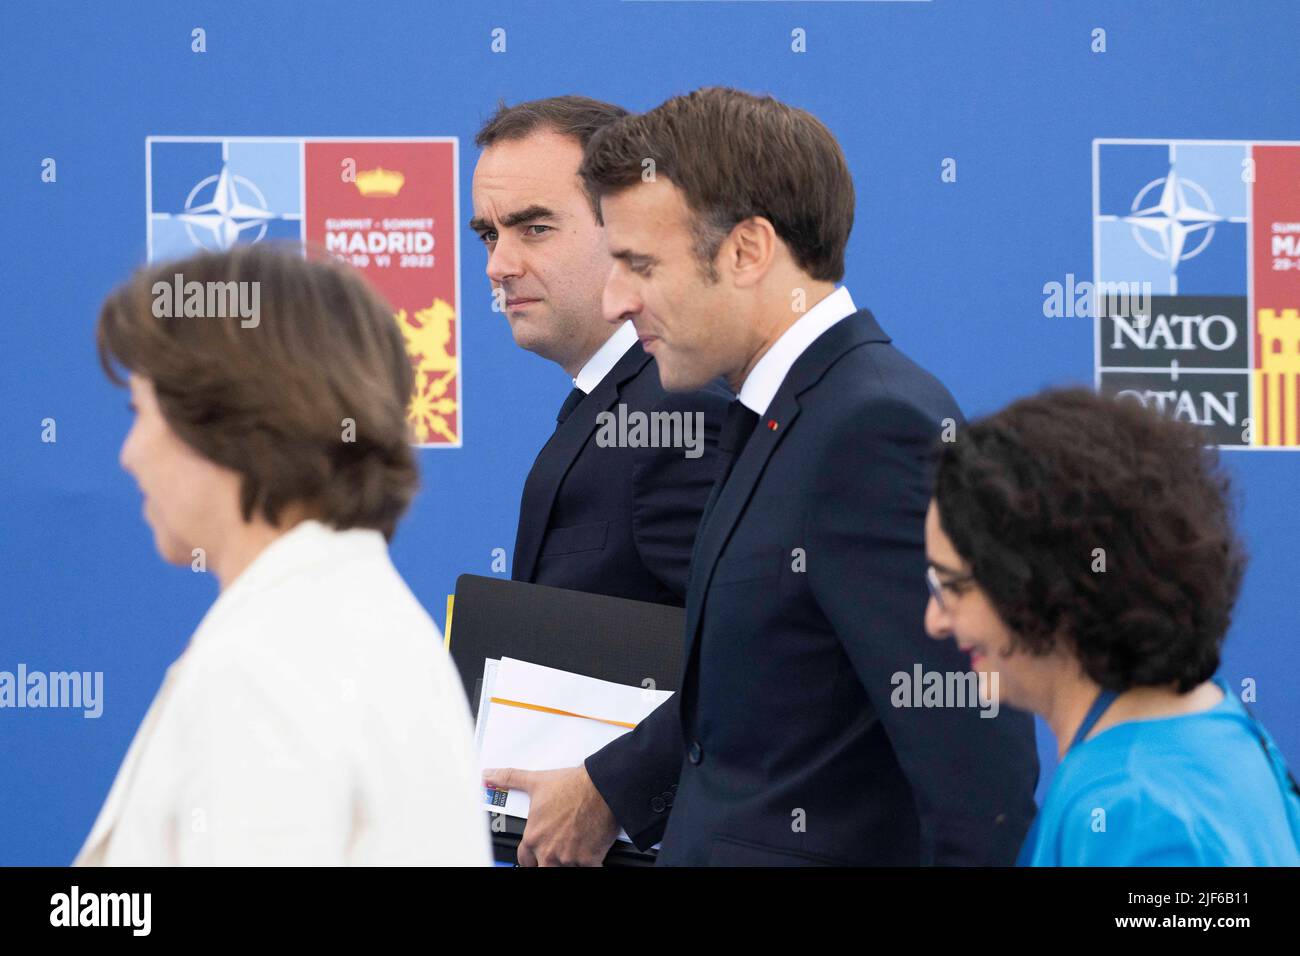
(380,182)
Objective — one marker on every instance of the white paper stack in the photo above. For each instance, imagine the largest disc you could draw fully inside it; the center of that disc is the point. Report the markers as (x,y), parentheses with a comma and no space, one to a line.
(518,724)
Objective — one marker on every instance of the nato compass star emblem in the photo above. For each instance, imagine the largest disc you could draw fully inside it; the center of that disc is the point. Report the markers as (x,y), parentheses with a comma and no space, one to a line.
(234,206)
(1183,210)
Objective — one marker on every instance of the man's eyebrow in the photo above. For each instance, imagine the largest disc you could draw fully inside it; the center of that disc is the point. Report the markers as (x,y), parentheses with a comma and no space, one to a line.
(527,214)
(634,258)
(944,569)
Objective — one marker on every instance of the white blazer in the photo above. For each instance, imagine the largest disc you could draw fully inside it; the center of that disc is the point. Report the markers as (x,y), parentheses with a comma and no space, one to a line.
(314,718)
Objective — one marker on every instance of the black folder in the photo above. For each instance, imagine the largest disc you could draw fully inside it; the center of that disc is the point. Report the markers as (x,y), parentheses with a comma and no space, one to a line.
(608,638)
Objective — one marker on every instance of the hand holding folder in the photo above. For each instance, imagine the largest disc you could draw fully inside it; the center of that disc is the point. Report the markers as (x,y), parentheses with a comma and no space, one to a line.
(539,718)
(613,641)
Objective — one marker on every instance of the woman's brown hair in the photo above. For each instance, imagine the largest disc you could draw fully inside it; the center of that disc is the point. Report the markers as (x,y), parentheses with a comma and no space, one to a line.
(301,386)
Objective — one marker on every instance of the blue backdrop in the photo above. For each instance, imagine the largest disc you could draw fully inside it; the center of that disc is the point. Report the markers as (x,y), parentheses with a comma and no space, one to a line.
(954,270)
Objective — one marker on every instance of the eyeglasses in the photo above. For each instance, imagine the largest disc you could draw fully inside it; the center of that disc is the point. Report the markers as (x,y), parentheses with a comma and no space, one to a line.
(937,586)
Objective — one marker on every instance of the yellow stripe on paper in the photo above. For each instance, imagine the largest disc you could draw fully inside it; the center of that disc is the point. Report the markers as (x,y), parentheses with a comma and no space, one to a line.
(562,713)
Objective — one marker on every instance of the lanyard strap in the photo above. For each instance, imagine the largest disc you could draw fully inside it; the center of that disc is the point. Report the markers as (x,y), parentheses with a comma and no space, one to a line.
(1286,780)
(1104,700)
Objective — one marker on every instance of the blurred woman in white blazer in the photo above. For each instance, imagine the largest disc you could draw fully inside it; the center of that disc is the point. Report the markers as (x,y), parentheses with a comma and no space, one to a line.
(313,717)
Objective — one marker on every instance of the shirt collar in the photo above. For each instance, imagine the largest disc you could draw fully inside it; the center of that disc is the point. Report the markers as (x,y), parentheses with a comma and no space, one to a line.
(606,358)
(761,385)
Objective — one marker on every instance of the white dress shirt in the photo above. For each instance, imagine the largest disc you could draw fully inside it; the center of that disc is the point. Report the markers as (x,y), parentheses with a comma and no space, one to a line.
(761,384)
(606,358)
(314,718)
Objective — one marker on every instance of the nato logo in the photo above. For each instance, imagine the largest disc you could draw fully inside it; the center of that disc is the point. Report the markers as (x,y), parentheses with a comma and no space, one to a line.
(211,194)
(1174,217)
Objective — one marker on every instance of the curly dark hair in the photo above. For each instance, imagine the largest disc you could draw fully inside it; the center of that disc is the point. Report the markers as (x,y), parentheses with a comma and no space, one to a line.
(1027,494)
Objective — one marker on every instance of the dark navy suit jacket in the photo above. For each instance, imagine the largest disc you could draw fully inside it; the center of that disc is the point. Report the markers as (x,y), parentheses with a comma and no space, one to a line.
(618,520)
(807,597)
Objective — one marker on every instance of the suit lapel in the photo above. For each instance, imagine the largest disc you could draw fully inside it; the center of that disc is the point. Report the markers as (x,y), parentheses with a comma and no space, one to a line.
(557,457)
(92,852)
(728,502)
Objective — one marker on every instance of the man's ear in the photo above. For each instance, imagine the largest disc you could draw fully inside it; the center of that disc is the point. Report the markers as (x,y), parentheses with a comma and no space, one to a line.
(751,250)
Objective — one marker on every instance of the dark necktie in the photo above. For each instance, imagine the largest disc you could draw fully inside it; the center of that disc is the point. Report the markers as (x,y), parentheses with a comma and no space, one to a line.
(534,506)
(736,429)
(737,426)
(570,403)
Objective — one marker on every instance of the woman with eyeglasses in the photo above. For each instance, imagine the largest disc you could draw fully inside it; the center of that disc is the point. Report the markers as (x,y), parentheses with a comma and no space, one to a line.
(1083,548)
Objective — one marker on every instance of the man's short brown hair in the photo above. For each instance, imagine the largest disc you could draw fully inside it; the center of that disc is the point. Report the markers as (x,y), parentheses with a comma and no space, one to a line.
(269,400)
(734,156)
(577,117)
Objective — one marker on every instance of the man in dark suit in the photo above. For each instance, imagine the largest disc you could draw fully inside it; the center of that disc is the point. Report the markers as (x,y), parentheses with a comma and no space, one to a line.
(790,742)
(612,503)
(619,520)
